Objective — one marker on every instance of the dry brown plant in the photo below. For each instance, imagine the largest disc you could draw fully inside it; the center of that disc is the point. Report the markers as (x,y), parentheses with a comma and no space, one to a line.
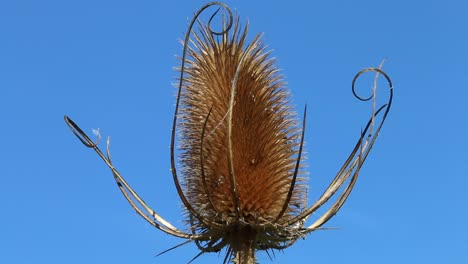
(242,184)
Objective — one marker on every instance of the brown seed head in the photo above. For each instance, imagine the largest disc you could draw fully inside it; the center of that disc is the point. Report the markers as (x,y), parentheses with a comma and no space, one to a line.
(264,132)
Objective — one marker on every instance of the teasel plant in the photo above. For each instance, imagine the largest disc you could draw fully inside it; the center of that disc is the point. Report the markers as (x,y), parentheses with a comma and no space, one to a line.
(242,181)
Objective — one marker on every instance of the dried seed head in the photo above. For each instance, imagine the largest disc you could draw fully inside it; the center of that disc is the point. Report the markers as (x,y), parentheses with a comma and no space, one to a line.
(264,134)
(240,149)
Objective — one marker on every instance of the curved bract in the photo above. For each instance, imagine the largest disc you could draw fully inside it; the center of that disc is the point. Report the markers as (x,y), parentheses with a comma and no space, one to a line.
(241,180)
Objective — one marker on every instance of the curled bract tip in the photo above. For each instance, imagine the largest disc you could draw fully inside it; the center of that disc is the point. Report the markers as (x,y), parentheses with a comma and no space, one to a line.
(229,24)
(378,71)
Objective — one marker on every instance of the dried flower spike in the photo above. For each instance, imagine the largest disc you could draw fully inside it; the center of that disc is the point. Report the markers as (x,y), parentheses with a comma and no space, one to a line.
(241,148)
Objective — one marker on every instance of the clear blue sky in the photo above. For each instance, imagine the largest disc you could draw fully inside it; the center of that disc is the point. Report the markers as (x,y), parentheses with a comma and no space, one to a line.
(109,65)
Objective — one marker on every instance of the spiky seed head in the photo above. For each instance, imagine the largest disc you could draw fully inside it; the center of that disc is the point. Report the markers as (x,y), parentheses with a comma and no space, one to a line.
(265,136)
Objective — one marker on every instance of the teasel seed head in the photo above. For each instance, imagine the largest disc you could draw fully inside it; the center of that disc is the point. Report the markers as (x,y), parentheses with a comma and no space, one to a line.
(241,148)
(243,170)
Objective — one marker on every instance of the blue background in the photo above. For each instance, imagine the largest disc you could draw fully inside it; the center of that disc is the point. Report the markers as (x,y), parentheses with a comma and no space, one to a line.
(109,65)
